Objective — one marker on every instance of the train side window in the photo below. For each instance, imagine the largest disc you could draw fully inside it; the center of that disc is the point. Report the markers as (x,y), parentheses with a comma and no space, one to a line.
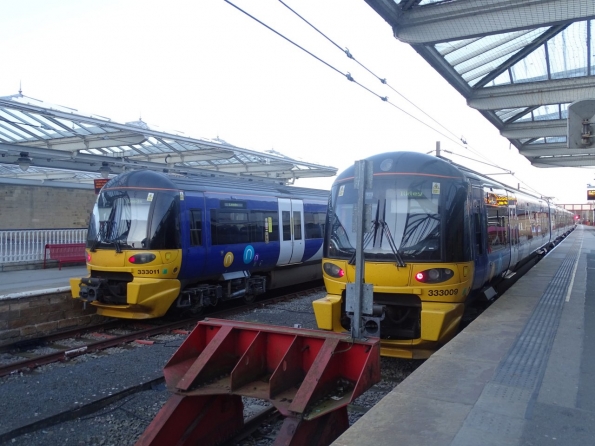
(297,225)
(478,233)
(264,226)
(272,224)
(196,227)
(314,224)
(229,227)
(497,228)
(286,222)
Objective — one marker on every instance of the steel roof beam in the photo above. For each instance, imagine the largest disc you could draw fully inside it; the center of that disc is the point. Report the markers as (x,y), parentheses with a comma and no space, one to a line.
(563,161)
(457,20)
(535,129)
(183,157)
(533,93)
(92,141)
(551,149)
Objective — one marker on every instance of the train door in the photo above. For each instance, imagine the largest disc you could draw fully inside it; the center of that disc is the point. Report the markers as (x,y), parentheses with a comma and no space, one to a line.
(193,236)
(291,237)
(478,225)
(496,203)
(515,245)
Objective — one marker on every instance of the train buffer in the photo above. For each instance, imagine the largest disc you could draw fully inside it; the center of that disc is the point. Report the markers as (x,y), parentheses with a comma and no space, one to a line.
(309,376)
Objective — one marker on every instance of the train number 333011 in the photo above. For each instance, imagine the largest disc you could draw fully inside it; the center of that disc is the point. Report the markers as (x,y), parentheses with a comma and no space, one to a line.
(452,292)
(148,271)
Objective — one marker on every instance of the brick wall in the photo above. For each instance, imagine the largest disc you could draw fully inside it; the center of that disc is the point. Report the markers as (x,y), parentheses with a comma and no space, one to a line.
(31,317)
(39,207)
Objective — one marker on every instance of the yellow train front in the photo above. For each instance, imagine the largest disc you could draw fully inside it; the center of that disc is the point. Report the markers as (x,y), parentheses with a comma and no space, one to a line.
(435,242)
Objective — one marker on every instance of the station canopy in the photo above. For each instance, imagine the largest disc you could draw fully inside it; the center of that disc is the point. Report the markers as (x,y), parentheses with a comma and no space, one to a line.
(55,145)
(520,63)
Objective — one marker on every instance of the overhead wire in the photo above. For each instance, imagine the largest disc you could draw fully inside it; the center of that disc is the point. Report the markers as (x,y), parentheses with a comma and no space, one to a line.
(346,51)
(347,75)
(458,141)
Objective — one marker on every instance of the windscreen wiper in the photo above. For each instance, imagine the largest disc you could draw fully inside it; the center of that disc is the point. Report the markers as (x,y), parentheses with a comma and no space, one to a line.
(391,243)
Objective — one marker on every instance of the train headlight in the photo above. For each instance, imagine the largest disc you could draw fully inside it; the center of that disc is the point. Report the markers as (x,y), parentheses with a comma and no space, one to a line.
(333,270)
(139,259)
(434,275)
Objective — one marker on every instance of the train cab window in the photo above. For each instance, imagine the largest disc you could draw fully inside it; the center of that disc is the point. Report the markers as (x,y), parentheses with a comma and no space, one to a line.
(164,224)
(196,227)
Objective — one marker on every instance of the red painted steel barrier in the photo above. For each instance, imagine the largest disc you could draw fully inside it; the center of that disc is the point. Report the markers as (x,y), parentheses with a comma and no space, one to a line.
(310,377)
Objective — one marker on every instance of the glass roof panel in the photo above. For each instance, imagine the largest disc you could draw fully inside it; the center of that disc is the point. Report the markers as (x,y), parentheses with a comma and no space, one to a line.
(564,110)
(508,113)
(473,77)
(448,47)
(525,118)
(546,113)
(568,52)
(492,47)
(427,2)
(555,139)
(503,79)
(532,68)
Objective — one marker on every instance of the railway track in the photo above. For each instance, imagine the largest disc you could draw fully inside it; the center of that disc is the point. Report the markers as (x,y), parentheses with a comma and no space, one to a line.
(27,355)
(122,415)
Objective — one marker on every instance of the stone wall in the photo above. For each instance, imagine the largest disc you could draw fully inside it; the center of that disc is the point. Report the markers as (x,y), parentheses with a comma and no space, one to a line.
(39,207)
(35,316)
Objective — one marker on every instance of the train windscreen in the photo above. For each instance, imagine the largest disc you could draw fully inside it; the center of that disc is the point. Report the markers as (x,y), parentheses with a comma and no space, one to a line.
(406,222)
(134,219)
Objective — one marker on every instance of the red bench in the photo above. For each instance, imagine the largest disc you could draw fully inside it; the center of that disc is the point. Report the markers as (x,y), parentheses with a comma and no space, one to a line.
(64,252)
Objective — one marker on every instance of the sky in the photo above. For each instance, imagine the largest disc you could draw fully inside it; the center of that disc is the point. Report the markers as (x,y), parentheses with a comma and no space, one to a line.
(204,68)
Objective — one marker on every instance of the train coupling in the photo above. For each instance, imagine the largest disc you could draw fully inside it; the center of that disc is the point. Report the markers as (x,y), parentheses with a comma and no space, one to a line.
(370,323)
(90,289)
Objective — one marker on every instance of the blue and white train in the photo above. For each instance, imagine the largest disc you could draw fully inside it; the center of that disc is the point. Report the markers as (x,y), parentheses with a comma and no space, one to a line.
(159,243)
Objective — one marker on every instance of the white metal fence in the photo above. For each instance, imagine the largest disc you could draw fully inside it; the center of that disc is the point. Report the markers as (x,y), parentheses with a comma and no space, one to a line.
(27,245)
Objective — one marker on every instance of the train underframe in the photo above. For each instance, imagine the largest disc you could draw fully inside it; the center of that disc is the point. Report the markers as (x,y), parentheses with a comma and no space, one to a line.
(118,294)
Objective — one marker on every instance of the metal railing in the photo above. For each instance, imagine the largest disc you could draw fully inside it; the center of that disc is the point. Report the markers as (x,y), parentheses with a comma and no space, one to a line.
(28,245)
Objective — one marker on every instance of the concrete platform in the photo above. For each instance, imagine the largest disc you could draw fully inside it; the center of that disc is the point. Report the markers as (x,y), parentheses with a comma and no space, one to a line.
(24,283)
(523,373)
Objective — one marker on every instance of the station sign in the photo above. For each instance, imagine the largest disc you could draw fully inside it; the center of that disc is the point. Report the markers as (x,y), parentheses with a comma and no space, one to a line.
(100,182)
(591,194)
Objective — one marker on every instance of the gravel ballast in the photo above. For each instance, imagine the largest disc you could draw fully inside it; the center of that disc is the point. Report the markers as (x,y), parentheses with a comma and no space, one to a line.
(55,388)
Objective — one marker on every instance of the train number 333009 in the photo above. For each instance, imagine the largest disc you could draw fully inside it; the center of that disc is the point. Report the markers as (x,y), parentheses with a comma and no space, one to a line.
(452,292)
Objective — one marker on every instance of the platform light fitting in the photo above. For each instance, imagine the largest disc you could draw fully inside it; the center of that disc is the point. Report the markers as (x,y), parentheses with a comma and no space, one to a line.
(24,161)
(104,170)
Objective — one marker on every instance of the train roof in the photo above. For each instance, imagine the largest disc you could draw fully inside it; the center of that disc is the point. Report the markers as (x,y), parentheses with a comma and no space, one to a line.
(147,179)
(406,162)
(421,163)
